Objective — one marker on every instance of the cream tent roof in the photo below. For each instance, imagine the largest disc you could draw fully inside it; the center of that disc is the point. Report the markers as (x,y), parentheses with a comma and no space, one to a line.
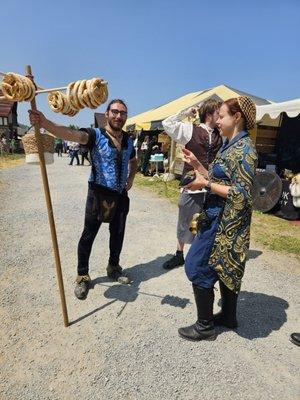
(151,120)
(291,108)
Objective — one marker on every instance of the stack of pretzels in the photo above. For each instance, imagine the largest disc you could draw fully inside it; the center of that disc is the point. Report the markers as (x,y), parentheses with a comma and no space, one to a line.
(80,94)
(17,87)
(89,93)
(59,103)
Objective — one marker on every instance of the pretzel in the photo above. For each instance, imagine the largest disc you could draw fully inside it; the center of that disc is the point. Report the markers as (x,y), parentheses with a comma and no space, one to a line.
(59,103)
(86,98)
(56,101)
(17,87)
(76,95)
(86,93)
(91,94)
(81,89)
(80,94)
(70,94)
(100,92)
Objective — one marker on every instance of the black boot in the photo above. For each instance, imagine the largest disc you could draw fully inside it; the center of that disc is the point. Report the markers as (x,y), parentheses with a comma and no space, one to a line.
(295,338)
(176,261)
(227,315)
(203,329)
(115,272)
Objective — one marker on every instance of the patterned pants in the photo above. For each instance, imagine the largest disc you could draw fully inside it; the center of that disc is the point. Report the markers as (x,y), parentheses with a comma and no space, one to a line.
(197,267)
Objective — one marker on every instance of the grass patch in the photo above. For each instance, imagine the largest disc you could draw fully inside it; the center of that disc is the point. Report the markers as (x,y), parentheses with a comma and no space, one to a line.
(268,231)
(275,233)
(11,160)
(169,190)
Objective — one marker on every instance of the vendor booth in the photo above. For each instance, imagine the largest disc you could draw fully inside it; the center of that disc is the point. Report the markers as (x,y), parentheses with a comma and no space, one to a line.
(278,145)
(277,139)
(150,122)
(278,134)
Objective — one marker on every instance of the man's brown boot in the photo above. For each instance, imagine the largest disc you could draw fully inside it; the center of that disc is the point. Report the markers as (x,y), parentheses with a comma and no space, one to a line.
(82,287)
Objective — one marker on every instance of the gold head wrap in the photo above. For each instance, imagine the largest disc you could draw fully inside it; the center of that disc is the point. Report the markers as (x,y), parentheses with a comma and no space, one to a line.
(248,108)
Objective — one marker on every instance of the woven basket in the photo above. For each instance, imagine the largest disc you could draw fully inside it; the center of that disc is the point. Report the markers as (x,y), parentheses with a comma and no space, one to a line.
(31,149)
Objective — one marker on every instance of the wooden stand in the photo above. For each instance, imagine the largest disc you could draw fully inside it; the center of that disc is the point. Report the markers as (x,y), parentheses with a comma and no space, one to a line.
(49,209)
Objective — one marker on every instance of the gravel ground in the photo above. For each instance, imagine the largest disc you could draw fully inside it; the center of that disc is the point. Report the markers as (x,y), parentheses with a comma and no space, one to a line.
(123,341)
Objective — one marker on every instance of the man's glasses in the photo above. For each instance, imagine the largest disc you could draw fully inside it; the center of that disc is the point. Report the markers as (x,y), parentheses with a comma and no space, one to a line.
(116,112)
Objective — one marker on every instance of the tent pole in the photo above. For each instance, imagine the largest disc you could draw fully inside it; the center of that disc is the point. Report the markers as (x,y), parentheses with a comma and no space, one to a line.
(172,151)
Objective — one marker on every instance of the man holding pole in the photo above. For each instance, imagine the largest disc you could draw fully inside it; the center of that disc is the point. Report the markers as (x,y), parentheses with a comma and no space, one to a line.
(204,141)
(114,166)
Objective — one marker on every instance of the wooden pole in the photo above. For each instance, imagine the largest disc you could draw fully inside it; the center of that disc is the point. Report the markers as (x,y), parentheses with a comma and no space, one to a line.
(60,88)
(52,90)
(49,209)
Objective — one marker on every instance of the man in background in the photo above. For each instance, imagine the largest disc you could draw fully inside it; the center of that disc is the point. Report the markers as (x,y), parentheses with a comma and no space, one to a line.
(204,141)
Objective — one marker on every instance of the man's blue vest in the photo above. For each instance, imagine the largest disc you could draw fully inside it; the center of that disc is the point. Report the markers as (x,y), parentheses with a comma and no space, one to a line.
(109,166)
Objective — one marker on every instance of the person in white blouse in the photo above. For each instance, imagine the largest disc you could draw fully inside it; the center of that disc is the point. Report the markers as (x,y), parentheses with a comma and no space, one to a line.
(204,141)
(144,149)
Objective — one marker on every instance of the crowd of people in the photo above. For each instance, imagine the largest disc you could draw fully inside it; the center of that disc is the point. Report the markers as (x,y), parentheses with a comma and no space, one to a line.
(73,150)
(8,145)
(145,148)
(221,160)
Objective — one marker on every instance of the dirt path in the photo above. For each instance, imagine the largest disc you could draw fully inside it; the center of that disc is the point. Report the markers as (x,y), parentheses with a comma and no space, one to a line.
(123,341)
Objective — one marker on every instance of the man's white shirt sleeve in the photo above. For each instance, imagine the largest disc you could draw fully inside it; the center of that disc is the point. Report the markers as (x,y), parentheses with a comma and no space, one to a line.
(180,132)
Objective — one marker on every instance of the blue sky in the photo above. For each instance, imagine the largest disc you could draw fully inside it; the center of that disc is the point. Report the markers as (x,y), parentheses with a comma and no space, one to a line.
(153,51)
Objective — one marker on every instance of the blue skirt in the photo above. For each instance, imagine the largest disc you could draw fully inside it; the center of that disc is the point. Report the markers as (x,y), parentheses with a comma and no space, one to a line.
(196,263)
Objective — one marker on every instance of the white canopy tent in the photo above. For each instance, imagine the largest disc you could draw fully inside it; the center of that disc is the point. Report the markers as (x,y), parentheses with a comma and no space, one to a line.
(273,111)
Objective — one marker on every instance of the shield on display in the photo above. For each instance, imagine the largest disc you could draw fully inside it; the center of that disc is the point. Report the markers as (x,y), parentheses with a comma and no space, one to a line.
(267,189)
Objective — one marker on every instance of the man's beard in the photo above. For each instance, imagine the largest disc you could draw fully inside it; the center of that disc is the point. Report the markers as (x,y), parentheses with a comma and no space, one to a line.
(116,129)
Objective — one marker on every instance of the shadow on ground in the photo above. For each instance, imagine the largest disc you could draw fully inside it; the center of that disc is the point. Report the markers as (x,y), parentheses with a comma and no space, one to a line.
(252,254)
(129,293)
(260,314)
(141,273)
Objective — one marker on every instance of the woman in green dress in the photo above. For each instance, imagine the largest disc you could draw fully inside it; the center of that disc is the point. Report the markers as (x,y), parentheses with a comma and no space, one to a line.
(218,252)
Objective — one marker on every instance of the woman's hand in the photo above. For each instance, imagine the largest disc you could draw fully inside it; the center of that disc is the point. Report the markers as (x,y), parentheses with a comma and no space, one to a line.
(191,159)
(198,183)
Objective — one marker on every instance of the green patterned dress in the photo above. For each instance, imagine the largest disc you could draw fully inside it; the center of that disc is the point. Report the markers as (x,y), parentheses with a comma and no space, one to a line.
(238,161)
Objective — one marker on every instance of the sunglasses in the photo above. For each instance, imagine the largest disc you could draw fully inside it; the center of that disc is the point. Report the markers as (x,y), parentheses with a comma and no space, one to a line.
(116,112)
